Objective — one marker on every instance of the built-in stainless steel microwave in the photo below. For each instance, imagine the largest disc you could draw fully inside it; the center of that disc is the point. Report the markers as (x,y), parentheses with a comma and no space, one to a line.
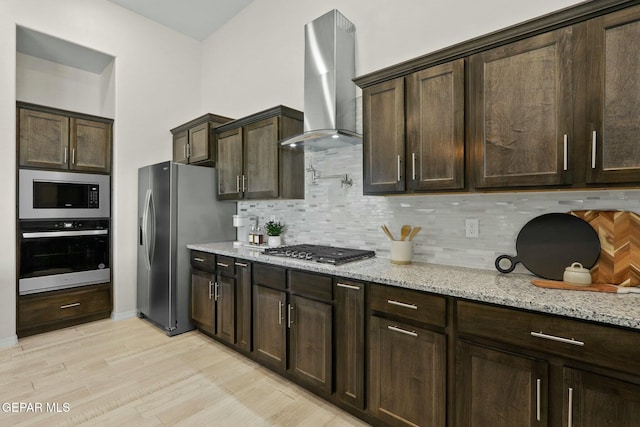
(52,194)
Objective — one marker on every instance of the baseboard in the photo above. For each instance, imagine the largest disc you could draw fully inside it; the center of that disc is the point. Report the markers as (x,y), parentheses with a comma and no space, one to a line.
(124,315)
(9,342)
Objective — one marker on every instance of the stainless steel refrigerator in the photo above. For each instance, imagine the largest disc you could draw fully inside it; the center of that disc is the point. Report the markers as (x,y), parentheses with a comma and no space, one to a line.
(176,206)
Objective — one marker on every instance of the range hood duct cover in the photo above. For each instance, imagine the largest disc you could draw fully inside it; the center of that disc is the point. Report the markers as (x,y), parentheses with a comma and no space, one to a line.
(329,91)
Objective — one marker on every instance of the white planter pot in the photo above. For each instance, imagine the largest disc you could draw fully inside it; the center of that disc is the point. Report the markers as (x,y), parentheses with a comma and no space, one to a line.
(274,240)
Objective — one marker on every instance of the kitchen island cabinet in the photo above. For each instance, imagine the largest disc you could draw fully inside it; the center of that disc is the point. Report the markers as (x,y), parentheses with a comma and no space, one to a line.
(55,139)
(251,163)
(193,142)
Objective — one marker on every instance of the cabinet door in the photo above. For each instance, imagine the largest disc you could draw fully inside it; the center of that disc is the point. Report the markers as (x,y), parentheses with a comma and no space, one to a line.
(435,128)
(595,401)
(202,301)
(349,338)
(199,143)
(90,146)
(310,341)
(44,139)
(229,165)
(180,142)
(499,389)
(269,326)
(226,308)
(521,112)
(613,128)
(407,374)
(261,159)
(384,138)
(243,304)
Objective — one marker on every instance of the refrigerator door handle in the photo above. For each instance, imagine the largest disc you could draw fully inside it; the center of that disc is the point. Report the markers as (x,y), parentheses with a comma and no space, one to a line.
(148,223)
(152,234)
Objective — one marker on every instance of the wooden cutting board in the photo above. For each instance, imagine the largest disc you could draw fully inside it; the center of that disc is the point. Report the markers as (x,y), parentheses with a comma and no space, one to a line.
(595,287)
(619,233)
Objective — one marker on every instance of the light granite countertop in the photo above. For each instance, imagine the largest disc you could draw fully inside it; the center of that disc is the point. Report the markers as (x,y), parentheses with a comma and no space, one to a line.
(511,290)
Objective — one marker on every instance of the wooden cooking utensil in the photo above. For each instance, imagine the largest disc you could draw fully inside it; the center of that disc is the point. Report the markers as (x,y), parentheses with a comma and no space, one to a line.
(387,231)
(404,231)
(414,232)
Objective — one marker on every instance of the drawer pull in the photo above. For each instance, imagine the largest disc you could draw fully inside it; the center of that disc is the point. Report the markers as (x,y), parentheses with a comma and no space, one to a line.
(344,285)
(280,305)
(222,264)
(402,331)
(402,304)
(565,148)
(210,285)
(198,259)
(559,339)
(75,304)
(241,264)
(570,409)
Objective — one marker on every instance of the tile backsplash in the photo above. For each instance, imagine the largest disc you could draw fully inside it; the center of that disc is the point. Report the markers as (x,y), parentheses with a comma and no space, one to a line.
(339,215)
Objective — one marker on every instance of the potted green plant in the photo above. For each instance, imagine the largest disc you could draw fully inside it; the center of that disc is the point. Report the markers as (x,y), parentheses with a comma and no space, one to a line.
(274,230)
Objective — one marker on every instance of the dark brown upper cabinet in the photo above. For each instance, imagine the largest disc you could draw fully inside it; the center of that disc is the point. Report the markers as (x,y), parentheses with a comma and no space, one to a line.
(521,112)
(414,131)
(251,163)
(54,139)
(611,129)
(193,142)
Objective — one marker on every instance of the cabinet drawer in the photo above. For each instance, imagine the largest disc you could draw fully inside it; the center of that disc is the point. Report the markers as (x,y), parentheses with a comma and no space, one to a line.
(311,285)
(61,305)
(271,276)
(203,261)
(225,265)
(410,304)
(595,344)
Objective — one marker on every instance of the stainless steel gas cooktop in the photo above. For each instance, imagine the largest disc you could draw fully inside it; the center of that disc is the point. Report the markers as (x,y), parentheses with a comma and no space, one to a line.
(319,253)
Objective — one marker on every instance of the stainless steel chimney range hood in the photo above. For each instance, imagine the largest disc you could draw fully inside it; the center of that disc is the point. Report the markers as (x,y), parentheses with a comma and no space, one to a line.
(329,91)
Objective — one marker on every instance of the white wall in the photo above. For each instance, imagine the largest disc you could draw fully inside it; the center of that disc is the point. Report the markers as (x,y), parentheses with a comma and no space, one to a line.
(157,77)
(256,61)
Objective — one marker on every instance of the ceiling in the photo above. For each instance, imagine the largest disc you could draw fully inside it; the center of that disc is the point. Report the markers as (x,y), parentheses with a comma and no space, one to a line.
(195,18)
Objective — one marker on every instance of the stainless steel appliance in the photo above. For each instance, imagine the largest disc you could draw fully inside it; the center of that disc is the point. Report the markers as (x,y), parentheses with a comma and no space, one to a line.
(319,253)
(176,206)
(55,195)
(59,254)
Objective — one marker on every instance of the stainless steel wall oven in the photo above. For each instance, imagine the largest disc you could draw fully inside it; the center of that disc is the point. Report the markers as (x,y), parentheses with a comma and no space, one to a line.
(58,254)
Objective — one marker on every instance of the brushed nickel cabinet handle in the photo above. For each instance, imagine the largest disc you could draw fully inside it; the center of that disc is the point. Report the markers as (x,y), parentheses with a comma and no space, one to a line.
(75,304)
(198,259)
(216,288)
(237,183)
(538,387)
(245,184)
(413,165)
(65,155)
(559,339)
(402,331)
(402,304)
(570,409)
(399,175)
(188,150)
(241,264)
(344,285)
(210,285)
(73,156)
(280,304)
(594,144)
(565,147)
(289,316)
(222,264)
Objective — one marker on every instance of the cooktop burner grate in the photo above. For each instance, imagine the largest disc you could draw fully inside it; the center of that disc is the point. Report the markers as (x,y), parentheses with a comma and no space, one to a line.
(319,253)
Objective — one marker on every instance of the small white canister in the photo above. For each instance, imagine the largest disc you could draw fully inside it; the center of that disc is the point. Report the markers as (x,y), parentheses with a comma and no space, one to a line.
(577,275)
(401,252)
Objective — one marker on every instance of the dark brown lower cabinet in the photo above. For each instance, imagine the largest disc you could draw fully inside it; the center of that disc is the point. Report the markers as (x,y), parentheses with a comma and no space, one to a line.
(269,326)
(225,296)
(243,304)
(350,342)
(499,389)
(310,348)
(593,400)
(407,374)
(203,304)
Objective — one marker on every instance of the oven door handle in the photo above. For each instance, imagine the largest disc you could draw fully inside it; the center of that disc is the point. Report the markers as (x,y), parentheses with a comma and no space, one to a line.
(41,234)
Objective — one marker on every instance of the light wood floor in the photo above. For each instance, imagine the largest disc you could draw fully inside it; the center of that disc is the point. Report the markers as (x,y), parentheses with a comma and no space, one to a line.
(129,373)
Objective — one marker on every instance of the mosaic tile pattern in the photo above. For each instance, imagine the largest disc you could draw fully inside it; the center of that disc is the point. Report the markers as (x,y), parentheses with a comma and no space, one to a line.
(342,216)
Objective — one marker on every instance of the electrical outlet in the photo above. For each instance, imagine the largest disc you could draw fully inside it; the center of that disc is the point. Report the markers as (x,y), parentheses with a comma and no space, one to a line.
(471,227)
